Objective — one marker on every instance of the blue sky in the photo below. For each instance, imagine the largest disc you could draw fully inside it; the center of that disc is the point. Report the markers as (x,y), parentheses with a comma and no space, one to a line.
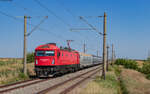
(127,25)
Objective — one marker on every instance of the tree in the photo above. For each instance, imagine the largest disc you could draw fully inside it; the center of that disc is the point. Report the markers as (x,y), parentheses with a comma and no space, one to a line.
(30,57)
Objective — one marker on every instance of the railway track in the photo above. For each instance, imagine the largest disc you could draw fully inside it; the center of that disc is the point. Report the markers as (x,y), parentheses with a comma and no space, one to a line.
(70,83)
(39,86)
(21,84)
(8,85)
(78,83)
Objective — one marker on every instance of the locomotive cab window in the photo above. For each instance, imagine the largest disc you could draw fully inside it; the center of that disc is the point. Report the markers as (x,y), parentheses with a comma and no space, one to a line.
(45,53)
(49,53)
(40,53)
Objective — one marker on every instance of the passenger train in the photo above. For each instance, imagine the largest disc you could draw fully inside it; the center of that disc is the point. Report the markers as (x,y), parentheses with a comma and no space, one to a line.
(51,60)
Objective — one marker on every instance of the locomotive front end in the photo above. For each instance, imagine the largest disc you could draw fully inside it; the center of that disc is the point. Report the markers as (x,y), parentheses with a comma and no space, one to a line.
(45,59)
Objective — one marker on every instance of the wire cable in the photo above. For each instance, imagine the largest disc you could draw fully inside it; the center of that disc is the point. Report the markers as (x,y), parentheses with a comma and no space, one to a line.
(37,26)
(15,18)
(51,12)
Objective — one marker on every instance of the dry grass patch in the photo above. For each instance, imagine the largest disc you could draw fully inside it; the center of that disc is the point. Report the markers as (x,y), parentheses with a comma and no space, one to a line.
(140,63)
(12,72)
(100,86)
(92,88)
(30,67)
(135,82)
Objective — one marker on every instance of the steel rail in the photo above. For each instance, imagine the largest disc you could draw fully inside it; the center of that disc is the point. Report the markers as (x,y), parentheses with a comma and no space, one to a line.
(20,82)
(78,83)
(59,84)
(22,86)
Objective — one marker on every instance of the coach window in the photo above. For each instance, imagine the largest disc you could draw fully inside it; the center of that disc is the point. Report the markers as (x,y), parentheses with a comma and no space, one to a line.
(62,53)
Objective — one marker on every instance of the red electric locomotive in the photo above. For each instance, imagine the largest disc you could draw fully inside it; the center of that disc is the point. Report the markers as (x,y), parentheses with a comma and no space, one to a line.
(51,60)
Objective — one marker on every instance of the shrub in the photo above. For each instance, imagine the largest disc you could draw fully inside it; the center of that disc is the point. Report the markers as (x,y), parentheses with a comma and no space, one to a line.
(148,60)
(120,61)
(22,76)
(146,68)
(130,64)
(30,57)
(148,76)
(3,63)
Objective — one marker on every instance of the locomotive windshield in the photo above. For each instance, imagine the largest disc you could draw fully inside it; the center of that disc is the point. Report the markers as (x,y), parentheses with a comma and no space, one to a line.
(45,53)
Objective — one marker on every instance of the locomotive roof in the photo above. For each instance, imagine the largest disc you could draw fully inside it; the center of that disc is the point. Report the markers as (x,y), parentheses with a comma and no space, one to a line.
(48,46)
(51,46)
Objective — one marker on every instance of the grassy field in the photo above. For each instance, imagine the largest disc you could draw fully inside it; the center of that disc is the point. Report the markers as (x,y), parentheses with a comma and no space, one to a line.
(11,71)
(100,86)
(127,81)
(133,81)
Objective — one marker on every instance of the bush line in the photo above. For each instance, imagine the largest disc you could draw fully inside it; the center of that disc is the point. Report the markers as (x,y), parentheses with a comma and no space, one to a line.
(132,64)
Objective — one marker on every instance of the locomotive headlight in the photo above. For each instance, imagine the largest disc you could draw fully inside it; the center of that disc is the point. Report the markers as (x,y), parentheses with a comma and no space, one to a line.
(53,62)
(36,62)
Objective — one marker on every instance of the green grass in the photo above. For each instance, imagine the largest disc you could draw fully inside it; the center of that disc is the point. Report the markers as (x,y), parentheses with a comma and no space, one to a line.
(122,87)
(109,82)
(101,86)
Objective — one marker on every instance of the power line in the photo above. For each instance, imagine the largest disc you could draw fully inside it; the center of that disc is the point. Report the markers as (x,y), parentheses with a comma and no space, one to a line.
(10,16)
(72,14)
(37,26)
(19,6)
(29,10)
(48,10)
(51,12)
(41,29)
(84,20)
(24,8)
(66,9)
(15,18)
(90,25)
